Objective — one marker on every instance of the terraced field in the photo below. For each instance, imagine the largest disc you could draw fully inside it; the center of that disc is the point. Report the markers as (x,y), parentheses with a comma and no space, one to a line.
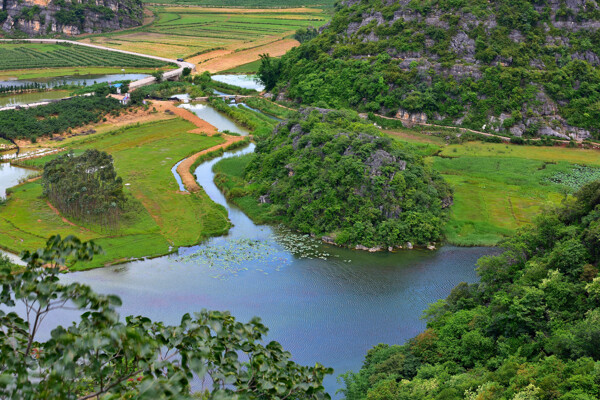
(25,56)
(199,34)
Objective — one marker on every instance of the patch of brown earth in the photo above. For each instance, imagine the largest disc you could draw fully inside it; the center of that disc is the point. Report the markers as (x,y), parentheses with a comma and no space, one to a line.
(235,59)
(188,179)
(65,220)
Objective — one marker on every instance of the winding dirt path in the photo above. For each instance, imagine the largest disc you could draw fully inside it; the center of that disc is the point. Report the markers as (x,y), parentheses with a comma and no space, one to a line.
(64,219)
(188,179)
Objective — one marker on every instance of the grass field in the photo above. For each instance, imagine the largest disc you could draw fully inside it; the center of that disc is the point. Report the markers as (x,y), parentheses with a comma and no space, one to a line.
(160,218)
(499,187)
(201,34)
(249,68)
(26,56)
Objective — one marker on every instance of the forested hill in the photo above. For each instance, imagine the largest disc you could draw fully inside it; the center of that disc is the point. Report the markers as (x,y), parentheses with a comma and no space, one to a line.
(328,172)
(68,17)
(530,330)
(520,67)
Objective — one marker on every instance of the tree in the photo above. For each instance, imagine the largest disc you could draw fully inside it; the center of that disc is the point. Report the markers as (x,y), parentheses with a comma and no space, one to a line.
(102,356)
(269,71)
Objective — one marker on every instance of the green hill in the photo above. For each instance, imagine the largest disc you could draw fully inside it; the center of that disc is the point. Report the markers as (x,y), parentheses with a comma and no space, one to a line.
(516,67)
(530,330)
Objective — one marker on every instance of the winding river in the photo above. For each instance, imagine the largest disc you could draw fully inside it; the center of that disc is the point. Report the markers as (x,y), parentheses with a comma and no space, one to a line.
(323,303)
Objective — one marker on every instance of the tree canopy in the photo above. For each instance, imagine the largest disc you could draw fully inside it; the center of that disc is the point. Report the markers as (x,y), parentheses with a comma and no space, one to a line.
(85,187)
(102,356)
(530,329)
(331,173)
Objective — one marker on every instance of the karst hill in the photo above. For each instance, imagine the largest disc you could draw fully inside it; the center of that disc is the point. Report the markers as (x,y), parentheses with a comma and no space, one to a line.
(519,67)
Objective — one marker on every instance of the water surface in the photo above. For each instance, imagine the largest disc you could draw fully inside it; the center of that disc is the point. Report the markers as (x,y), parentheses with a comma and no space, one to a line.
(10,176)
(243,81)
(88,79)
(215,118)
(33,97)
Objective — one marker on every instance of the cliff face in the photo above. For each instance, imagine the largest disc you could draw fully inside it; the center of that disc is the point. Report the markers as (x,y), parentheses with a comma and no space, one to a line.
(69,17)
(525,67)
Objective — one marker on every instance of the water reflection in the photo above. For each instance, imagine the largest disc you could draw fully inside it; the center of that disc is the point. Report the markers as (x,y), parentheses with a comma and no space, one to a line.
(243,81)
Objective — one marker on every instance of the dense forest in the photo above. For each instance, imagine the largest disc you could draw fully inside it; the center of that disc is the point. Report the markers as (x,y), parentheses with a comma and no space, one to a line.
(331,173)
(520,68)
(35,122)
(85,187)
(530,329)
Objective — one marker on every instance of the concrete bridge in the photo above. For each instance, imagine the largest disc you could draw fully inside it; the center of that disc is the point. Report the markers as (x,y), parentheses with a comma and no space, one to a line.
(168,75)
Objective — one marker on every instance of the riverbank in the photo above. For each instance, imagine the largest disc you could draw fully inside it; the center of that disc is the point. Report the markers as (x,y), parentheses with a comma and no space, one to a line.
(157,211)
(498,188)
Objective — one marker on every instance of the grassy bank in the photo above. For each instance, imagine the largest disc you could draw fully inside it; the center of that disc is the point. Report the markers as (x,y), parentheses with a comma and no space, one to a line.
(229,178)
(160,218)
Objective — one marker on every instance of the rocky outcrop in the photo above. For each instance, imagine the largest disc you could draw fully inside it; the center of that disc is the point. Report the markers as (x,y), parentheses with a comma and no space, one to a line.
(69,17)
(452,45)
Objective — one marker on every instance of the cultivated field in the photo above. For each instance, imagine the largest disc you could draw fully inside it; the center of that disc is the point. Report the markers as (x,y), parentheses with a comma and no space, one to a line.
(204,35)
(36,56)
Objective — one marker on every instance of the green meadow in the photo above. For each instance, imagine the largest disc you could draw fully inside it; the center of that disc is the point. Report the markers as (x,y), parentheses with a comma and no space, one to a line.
(159,217)
(500,187)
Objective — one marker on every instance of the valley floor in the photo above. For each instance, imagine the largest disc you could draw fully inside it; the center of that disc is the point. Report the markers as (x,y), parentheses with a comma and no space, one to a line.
(160,217)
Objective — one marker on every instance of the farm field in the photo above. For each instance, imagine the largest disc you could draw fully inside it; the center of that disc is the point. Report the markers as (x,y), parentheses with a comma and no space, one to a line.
(499,188)
(202,35)
(38,56)
(143,156)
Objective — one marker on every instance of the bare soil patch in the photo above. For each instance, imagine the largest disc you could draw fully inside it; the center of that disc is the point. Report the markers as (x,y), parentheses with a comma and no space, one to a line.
(235,59)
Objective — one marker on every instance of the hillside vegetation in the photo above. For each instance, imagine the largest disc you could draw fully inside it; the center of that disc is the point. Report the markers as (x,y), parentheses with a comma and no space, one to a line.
(521,68)
(67,17)
(529,330)
(330,173)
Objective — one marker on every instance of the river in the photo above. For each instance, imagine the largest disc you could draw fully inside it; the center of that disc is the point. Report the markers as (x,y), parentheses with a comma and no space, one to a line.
(324,304)
(87,80)
(240,80)
(35,97)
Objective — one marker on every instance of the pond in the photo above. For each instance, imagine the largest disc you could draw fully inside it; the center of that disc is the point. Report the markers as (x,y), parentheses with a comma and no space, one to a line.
(322,303)
(10,176)
(75,79)
(33,97)
(243,81)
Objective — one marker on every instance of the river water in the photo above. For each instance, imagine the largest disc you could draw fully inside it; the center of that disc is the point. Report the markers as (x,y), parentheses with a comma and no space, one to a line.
(240,80)
(324,304)
(87,80)
(34,97)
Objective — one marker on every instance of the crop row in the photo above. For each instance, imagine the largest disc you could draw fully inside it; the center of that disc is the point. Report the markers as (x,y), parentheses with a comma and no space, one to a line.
(70,56)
